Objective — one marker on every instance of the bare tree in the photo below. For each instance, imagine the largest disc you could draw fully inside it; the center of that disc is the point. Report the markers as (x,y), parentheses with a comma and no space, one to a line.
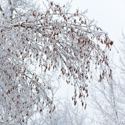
(65,113)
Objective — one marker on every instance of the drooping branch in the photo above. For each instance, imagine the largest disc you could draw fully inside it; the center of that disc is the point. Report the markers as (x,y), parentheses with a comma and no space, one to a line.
(51,40)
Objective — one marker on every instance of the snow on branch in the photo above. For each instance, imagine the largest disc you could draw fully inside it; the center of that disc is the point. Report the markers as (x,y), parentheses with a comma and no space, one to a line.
(51,40)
